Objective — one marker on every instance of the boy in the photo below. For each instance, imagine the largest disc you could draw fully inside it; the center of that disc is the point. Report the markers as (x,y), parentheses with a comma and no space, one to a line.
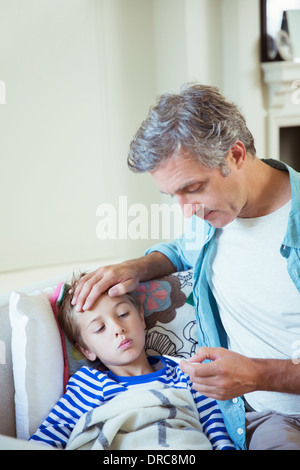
(113,331)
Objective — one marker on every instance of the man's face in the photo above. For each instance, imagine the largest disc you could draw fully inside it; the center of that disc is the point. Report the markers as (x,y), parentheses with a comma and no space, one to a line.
(202,191)
(114,331)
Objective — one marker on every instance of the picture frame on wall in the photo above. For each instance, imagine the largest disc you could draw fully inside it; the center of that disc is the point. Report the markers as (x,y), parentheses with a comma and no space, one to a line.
(279,29)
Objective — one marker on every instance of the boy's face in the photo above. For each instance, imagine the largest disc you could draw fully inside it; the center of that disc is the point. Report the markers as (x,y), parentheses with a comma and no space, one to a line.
(114,331)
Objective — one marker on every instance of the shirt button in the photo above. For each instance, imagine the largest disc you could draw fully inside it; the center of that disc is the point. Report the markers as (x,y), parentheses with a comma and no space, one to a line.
(240,431)
(235,400)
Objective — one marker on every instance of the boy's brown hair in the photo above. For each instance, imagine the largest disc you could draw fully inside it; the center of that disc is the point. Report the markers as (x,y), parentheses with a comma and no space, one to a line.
(67,313)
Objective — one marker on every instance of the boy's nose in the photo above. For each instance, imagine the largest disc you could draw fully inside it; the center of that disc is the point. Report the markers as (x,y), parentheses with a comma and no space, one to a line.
(119,330)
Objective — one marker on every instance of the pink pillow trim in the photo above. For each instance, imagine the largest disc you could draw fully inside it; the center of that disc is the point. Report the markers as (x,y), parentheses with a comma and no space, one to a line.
(53,303)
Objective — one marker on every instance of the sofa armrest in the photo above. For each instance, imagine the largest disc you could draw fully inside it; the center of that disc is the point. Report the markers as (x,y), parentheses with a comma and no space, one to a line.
(7,404)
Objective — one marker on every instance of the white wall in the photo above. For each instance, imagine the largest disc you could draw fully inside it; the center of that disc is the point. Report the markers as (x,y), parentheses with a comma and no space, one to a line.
(242,74)
(188,38)
(80,76)
(51,129)
(204,41)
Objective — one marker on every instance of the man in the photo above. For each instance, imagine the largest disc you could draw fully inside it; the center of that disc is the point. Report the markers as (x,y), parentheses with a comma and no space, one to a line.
(197,147)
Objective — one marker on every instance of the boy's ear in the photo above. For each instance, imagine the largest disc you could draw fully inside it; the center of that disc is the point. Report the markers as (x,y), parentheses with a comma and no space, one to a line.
(91,356)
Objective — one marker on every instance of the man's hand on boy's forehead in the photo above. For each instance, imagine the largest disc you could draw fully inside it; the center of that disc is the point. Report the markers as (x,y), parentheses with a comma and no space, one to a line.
(117,279)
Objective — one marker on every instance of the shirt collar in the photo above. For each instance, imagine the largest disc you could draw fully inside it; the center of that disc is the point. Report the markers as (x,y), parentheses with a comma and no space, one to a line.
(292,236)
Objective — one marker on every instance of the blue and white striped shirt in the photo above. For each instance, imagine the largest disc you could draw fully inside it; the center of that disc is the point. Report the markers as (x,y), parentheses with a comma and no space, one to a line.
(88,388)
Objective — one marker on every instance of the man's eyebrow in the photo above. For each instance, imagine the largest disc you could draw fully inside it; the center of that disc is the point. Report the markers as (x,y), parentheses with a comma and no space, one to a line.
(183,187)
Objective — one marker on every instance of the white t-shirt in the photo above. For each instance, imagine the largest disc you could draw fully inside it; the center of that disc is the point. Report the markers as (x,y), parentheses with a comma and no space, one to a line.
(258,302)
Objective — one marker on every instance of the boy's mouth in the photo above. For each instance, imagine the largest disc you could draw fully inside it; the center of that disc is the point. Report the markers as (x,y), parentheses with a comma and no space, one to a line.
(126,343)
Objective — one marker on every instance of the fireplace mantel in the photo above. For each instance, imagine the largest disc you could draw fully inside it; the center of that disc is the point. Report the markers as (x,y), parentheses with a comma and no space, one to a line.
(279,76)
(283,81)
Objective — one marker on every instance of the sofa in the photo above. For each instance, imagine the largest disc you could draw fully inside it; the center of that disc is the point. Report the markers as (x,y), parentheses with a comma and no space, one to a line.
(35,355)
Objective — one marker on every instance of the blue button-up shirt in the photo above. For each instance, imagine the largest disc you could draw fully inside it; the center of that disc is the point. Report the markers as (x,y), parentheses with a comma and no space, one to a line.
(193,250)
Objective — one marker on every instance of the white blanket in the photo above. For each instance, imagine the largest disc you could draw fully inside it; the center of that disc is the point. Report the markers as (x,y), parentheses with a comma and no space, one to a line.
(157,417)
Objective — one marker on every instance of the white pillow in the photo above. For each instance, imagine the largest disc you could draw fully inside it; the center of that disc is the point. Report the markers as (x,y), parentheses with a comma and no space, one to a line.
(37,360)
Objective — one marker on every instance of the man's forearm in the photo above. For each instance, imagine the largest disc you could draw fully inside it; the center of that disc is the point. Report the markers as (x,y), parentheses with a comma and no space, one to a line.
(275,375)
(154,265)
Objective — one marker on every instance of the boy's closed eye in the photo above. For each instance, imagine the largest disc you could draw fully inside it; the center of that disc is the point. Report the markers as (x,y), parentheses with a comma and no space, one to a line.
(123,315)
(99,329)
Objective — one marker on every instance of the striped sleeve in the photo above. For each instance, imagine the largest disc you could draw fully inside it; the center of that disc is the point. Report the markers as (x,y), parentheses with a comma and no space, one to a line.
(212,421)
(84,392)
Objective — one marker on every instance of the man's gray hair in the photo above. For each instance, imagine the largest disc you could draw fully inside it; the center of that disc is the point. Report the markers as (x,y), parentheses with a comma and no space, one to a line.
(198,122)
